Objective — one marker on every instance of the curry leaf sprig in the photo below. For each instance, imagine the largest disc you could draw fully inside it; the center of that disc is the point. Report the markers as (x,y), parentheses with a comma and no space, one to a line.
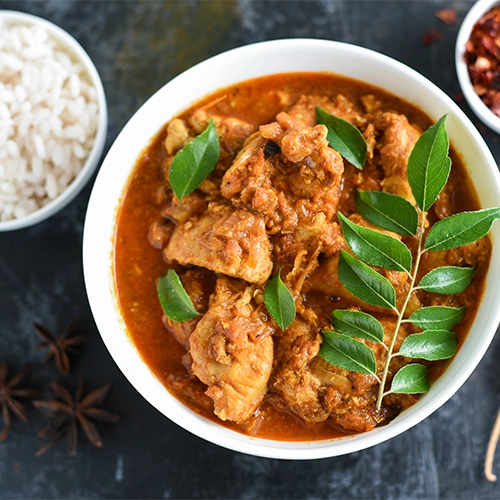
(428,171)
(279,301)
(345,138)
(195,162)
(174,300)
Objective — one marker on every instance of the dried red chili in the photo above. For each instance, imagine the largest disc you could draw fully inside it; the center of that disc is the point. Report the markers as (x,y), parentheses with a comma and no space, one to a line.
(448,16)
(430,37)
(482,56)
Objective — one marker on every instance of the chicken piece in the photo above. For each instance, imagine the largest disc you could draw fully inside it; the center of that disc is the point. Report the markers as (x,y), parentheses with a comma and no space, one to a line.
(295,189)
(232,351)
(304,109)
(316,390)
(326,280)
(370,135)
(348,397)
(396,145)
(232,131)
(443,206)
(371,103)
(302,391)
(183,210)
(472,254)
(399,138)
(476,255)
(159,234)
(317,232)
(224,240)
(177,136)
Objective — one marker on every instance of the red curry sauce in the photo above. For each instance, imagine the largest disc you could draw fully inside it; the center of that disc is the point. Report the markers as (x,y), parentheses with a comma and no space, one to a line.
(138,265)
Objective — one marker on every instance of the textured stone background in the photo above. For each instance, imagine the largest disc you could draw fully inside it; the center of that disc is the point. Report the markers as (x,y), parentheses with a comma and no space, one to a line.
(137,47)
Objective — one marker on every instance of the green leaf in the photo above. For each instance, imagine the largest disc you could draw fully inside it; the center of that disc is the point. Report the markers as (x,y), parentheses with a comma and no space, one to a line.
(344,138)
(347,353)
(437,317)
(376,248)
(429,165)
(174,300)
(279,301)
(194,163)
(447,279)
(388,211)
(362,281)
(411,379)
(358,324)
(460,229)
(431,345)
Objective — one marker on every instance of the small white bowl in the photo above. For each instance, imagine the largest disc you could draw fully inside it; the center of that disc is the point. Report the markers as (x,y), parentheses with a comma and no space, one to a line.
(75,50)
(477,105)
(237,65)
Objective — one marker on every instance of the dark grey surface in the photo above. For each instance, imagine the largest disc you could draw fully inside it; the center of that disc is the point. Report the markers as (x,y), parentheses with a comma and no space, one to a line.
(137,47)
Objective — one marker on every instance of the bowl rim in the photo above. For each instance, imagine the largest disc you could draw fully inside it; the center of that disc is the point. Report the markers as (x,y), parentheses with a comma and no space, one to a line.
(88,168)
(99,279)
(475,102)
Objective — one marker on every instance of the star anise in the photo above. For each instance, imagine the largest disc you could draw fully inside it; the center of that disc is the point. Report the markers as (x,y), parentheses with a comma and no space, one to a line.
(69,414)
(59,347)
(9,394)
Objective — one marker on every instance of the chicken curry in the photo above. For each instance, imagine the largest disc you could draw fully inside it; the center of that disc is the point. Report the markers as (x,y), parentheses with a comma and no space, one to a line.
(271,203)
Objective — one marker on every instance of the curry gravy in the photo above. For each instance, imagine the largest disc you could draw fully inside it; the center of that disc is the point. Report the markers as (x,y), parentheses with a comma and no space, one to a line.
(138,265)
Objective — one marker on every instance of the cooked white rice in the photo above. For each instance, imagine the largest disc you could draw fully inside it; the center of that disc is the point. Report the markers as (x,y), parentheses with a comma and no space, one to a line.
(48,119)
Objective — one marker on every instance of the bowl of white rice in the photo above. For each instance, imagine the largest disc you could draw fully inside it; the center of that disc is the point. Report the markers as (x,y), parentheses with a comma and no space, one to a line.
(53,119)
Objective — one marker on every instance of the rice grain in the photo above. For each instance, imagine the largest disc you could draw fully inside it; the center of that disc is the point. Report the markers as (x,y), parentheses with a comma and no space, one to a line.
(48,119)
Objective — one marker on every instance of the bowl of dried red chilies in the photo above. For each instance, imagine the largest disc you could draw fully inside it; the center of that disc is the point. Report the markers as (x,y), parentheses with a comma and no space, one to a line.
(477,57)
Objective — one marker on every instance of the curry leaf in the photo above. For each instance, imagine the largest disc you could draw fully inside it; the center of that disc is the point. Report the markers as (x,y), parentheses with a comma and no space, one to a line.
(429,165)
(364,282)
(437,317)
(347,353)
(358,324)
(461,229)
(376,248)
(174,300)
(194,163)
(279,301)
(388,211)
(411,379)
(431,345)
(447,279)
(344,138)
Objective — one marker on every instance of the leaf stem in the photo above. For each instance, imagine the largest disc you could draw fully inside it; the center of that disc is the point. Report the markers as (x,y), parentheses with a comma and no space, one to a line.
(400,319)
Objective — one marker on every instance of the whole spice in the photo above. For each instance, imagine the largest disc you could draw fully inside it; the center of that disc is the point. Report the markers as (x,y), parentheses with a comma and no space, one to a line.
(60,347)
(10,392)
(71,413)
(482,56)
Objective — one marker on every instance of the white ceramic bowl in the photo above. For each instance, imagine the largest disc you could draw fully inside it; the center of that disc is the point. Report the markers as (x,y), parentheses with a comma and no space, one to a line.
(76,51)
(477,105)
(226,69)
